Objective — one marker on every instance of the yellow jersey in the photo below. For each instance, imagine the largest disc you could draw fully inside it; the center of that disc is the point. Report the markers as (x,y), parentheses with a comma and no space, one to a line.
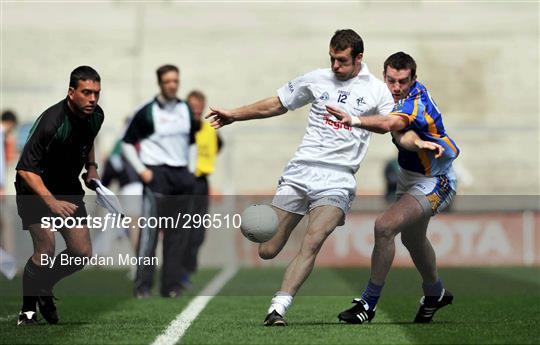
(206,140)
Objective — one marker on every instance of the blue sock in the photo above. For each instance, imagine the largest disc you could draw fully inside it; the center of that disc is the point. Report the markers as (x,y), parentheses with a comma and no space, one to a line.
(371,294)
(433,290)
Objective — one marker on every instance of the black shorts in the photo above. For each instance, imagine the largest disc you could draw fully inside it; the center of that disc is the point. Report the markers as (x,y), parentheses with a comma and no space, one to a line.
(32,208)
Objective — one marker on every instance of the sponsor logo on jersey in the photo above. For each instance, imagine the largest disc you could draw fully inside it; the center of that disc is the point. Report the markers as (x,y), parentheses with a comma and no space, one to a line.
(291,87)
(336,125)
(361,110)
(420,186)
(399,105)
(360,100)
(324,96)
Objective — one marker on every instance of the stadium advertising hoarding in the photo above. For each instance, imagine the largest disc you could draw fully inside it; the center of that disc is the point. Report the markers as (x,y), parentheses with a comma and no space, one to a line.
(459,239)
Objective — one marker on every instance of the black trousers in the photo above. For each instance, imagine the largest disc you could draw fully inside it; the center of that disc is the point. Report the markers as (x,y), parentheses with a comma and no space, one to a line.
(166,196)
(196,235)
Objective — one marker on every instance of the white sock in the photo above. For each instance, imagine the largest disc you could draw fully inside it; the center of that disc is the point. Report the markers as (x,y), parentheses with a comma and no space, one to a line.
(280,303)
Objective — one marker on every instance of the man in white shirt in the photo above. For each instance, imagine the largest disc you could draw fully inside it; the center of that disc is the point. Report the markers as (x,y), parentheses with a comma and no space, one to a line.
(319,180)
(162,130)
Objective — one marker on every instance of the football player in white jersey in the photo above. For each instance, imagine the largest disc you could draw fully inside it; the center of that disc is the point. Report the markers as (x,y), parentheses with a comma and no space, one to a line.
(319,180)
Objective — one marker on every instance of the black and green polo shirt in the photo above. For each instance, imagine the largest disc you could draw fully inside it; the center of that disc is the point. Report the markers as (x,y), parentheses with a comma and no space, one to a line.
(57,148)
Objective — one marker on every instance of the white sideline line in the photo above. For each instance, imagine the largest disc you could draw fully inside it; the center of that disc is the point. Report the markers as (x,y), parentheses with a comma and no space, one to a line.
(179,326)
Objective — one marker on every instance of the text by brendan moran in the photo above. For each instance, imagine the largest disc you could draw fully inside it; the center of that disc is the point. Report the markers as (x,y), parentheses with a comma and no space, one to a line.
(64,259)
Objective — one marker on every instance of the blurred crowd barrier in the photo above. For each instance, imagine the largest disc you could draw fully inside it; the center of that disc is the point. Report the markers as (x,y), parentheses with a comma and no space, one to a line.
(459,239)
(476,231)
(478,59)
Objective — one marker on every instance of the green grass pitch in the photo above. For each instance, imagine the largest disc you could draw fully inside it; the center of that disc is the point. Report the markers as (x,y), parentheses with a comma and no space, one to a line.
(492,306)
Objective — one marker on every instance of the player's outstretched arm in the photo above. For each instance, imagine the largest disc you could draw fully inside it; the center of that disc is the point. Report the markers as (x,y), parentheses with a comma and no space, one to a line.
(268,107)
(409,140)
(374,123)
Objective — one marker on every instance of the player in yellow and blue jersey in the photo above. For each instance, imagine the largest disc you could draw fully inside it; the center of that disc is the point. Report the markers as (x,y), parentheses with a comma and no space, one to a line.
(426,185)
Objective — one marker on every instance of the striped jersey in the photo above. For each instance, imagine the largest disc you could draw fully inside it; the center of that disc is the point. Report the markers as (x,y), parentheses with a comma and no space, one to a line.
(424,117)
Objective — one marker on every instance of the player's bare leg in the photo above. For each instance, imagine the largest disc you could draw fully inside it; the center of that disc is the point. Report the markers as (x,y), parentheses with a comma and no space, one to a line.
(287,221)
(415,240)
(78,241)
(402,214)
(43,241)
(322,221)
(435,296)
(408,217)
(78,246)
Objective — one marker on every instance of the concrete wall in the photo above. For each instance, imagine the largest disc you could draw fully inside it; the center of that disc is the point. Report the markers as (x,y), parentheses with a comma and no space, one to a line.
(480,61)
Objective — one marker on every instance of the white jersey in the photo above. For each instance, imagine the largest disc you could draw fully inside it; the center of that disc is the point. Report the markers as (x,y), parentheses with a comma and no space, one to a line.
(164,132)
(328,141)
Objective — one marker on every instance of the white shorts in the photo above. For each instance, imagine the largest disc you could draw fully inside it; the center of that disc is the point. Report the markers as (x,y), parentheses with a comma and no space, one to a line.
(433,193)
(304,187)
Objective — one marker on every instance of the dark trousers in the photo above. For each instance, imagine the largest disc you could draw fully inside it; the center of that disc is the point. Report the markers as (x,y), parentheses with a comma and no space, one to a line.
(167,195)
(199,204)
